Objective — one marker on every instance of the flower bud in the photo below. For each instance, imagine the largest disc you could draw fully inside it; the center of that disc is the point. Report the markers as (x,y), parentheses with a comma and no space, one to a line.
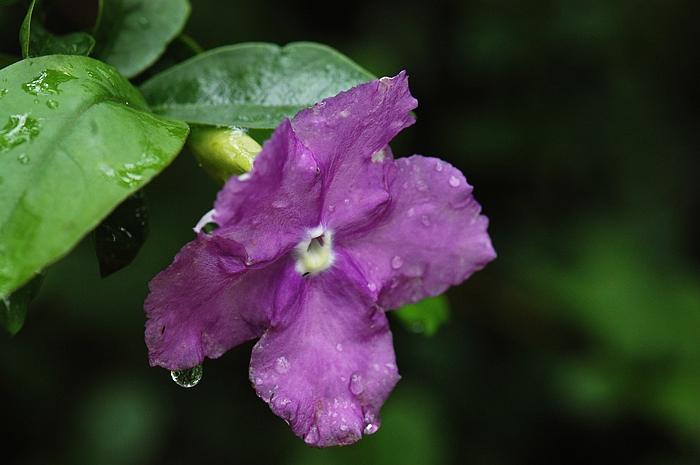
(222,151)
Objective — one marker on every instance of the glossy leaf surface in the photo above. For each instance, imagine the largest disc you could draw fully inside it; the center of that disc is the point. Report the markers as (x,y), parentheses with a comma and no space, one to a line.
(35,40)
(132,34)
(76,139)
(13,307)
(252,85)
(120,236)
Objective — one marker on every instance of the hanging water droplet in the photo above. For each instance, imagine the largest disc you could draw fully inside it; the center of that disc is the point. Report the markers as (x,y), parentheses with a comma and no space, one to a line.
(312,436)
(356,386)
(371,422)
(396,262)
(187,378)
(454,181)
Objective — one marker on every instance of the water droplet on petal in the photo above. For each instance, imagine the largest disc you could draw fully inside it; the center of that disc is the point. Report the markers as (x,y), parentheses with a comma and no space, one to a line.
(331,208)
(421,186)
(372,287)
(396,262)
(454,181)
(339,347)
(438,165)
(187,378)
(312,436)
(371,423)
(425,220)
(282,365)
(411,211)
(356,386)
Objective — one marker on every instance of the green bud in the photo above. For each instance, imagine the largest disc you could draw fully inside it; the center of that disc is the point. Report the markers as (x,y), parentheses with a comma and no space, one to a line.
(222,151)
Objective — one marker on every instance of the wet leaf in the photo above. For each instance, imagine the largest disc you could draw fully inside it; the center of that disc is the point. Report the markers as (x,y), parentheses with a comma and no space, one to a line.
(252,85)
(37,41)
(13,307)
(76,139)
(118,239)
(132,34)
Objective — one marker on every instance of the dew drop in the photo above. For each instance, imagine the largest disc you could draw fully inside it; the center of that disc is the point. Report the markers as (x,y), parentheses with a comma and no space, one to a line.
(144,22)
(23,158)
(425,220)
(282,365)
(421,186)
(331,208)
(52,104)
(356,386)
(438,165)
(47,82)
(371,423)
(339,347)
(411,211)
(187,378)
(3,92)
(396,262)
(454,182)
(312,436)
(372,287)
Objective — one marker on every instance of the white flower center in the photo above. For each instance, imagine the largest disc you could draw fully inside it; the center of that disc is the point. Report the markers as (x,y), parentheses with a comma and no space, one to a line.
(315,254)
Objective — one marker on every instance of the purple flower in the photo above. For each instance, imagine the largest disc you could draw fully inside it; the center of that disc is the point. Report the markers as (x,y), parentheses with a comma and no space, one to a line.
(314,244)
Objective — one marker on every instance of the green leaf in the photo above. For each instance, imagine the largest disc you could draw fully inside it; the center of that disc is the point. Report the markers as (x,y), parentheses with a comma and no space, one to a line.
(132,34)
(253,85)
(118,239)
(37,41)
(76,139)
(13,307)
(425,316)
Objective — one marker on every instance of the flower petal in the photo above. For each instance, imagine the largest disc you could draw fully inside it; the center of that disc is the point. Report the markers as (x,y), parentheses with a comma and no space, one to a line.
(347,134)
(326,365)
(268,209)
(206,302)
(432,237)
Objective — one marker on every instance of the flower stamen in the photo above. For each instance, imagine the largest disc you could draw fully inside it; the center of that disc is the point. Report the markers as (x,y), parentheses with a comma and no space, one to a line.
(314,254)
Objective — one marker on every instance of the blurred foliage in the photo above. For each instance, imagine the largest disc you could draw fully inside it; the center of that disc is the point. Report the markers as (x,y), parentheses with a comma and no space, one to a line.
(576,121)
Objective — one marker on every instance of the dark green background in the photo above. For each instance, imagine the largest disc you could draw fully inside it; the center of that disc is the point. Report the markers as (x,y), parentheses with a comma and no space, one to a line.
(576,121)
